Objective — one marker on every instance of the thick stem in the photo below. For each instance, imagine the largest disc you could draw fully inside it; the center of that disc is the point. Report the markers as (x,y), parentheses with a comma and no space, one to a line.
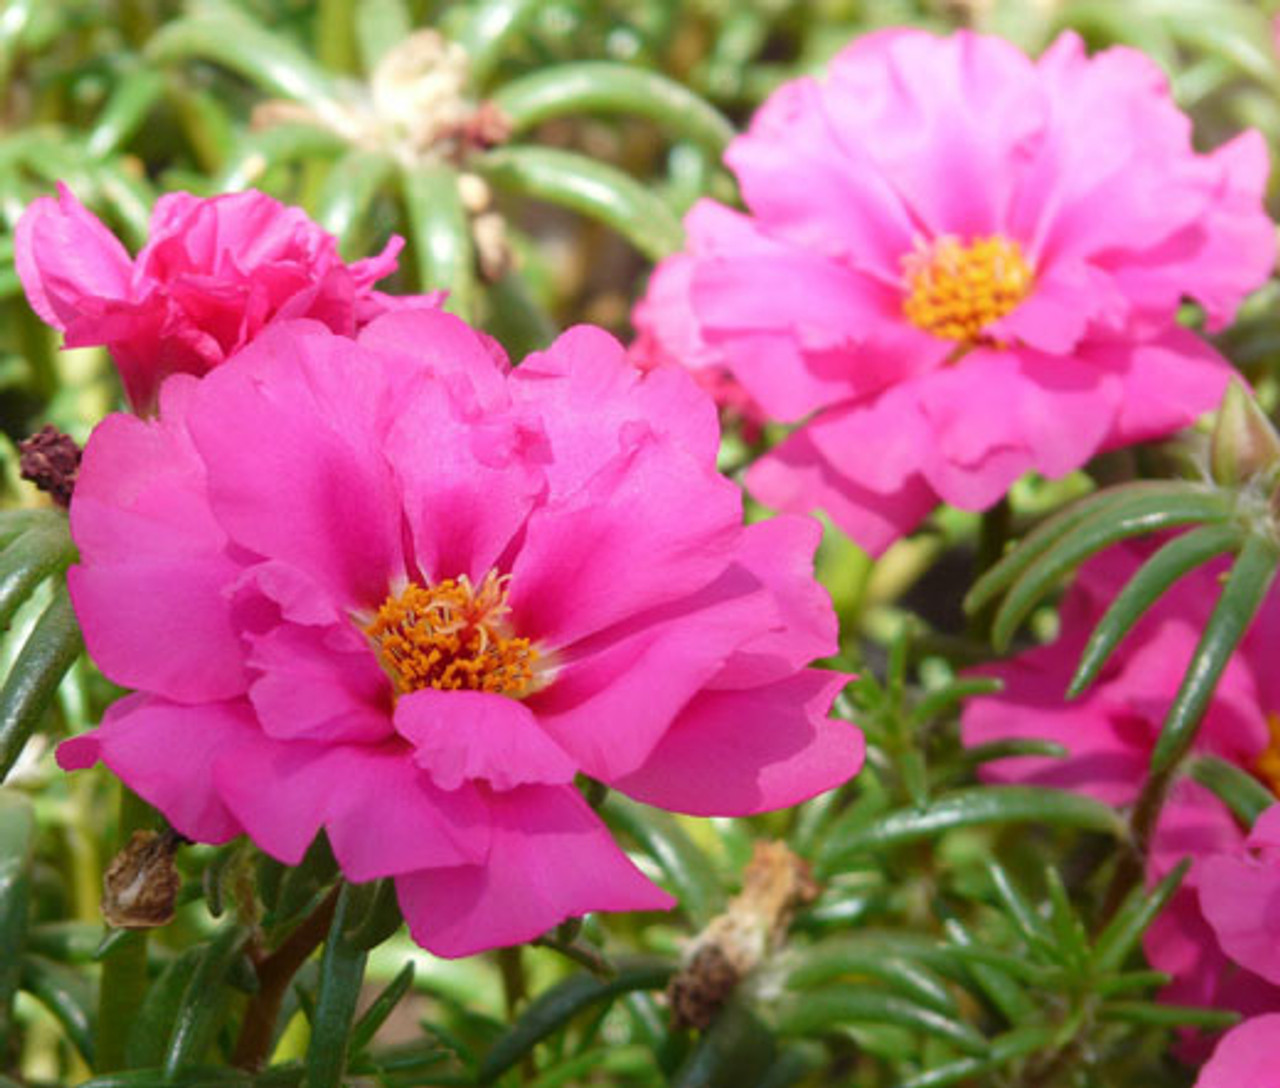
(124,968)
(1142,825)
(275,973)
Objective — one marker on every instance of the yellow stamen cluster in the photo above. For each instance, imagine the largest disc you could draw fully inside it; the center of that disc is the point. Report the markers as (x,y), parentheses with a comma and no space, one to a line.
(453,636)
(1268,766)
(955,291)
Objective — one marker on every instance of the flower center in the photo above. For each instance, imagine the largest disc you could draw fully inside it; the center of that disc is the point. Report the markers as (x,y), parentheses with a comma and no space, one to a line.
(453,636)
(1268,766)
(955,291)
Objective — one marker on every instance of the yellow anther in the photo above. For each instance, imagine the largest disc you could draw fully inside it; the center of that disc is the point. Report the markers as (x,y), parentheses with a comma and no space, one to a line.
(956,291)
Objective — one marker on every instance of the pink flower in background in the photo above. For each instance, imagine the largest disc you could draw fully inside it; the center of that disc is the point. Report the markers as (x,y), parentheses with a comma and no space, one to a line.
(1240,897)
(213,274)
(959,265)
(1110,732)
(387,588)
(1245,1057)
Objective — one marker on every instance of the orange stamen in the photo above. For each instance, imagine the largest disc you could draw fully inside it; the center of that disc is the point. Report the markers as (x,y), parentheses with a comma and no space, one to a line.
(955,291)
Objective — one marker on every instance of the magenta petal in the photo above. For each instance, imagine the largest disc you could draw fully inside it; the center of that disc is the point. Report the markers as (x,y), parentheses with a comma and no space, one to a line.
(1240,897)
(321,684)
(67,259)
(588,562)
(382,814)
(551,859)
(1246,1056)
(735,753)
(296,468)
(465,736)
(165,753)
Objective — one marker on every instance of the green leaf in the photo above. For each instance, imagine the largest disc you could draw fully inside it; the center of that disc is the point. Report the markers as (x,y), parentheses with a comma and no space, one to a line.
(1130,981)
(490,25)
(153,1025)
(1033,928)
(17,849)
(998,579)
(552,1010)
(1179,557)
(32,555)
(380,1008)
(341,976)
(67,994)
(937,703)
(1009,1047)
(276,146)
(1136,913)
(349,189)
(1247,585)
(269,61)
(50,649)
(688,870)
(203,1005)
(837,1006)
(1004,993)
(592,188)
(971,807)
(126,110)
(1134,517)
(374,916)
(380,25)
(835,958)
(604,87)
(733,1052)
(1150,1014)
(1069,931)
(441,236)
(1235,787)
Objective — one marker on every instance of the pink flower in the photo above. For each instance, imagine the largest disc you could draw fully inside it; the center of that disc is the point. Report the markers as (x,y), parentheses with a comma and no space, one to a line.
(386,588)
(1110,732)
(1240,897)
(213,274)
(1246,1056)
(960,265)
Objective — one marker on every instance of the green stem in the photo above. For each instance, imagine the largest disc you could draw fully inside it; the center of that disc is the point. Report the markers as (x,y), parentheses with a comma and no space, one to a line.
(124,968)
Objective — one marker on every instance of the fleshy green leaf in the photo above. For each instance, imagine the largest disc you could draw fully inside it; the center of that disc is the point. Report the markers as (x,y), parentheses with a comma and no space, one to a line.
(125,112)
(490,25)
(1235,787)
(832,959)
(50,649)
(592,188)
(1179,557)
(341,976)
(349,189)
(731,1053)
(380,1008)
(441,235)
(552,1010)
(1246,588)
(603,87)
(824,1010)
(1136,913)
(1161,1015)
(203,1006)
(17,849)
(67,994)
(975,806)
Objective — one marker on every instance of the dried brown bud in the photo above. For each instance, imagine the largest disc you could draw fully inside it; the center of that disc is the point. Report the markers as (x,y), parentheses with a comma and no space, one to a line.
(50,460)
(141,883)
(487,127)
(774,884)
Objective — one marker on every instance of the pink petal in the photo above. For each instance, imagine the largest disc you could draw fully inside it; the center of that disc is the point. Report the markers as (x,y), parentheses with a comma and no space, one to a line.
(67,259)
(551,860)
(466,736)
(383,816)
(735,753)
(166,753)
(1245,1056)
(320,684)
(592,559)
(292,431)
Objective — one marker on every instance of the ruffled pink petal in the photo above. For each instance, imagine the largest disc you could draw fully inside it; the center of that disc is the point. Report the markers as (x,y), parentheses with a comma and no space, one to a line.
(1240,897)
(466,482)
(587,393)
(1245,1056)
(149,592)
(382,814)
(797,477)
(67,259)
(296,468)
(466,736)
(443,346)
(166,753)
(735,753)
(609,704)
(1066,413)
(550,860)
(779,552)
(320,684)
(587,563)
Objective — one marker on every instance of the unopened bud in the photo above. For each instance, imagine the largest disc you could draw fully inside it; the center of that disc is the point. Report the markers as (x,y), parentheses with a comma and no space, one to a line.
(1244,446)
(141,884)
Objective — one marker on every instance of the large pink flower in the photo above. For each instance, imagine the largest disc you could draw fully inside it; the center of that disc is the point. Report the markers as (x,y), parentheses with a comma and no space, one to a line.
(386,588)
(212,275)
(1110,733)
(959,265)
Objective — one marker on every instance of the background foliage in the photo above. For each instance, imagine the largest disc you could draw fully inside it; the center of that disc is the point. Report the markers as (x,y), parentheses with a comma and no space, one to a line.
(960,935)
